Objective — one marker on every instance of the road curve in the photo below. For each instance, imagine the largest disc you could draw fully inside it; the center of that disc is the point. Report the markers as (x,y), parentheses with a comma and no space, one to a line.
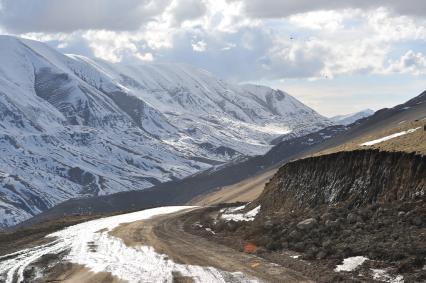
(145,246)
(167,235)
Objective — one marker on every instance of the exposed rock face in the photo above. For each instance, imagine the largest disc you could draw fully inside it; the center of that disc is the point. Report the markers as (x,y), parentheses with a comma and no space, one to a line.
(353,178)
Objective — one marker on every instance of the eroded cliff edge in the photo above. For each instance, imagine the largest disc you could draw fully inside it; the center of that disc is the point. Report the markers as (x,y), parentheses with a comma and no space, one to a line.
(351,179)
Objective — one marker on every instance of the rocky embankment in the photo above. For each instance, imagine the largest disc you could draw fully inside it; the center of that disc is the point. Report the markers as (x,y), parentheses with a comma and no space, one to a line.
(351,179)
(366,204)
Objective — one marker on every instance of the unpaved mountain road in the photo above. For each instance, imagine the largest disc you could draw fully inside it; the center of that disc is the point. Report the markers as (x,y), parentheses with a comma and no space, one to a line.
(145,246)
(167,235)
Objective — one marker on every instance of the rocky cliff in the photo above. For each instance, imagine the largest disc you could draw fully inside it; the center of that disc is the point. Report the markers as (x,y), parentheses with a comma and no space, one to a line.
(364,204)
(351,179)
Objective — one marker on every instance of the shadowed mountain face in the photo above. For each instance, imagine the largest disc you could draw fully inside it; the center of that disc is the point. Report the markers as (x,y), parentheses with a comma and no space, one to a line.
(74,127)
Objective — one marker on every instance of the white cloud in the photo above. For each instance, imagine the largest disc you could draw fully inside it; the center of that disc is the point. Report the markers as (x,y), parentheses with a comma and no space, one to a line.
(321,20)
(355,41)
(410,62)
(186,10)
(22,16)
(317,41)
(285,8)
(199,46)
(395,28)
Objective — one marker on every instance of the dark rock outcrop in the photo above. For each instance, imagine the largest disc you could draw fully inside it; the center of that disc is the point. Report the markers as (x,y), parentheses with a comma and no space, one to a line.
(352,179)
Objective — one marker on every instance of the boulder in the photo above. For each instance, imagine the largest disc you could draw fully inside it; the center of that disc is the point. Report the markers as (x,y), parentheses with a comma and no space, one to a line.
(321,254)
(264,241)
(300,246)
(351,218)
(331,224)
(295,235)
(328,216)
(327,244)
(417,221)
(231,226)
(307,224)
(274,245)
(268,225)
(365,213)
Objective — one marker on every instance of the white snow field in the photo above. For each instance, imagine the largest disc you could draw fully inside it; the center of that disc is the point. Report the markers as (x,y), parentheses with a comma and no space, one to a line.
(373,142)
(90,245)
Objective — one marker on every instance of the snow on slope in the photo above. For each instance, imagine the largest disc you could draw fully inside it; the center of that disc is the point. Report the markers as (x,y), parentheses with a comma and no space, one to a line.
(233,214)
(350,263)
(351,118)
(203,106)
(73,127)
(376,141)
(141,264)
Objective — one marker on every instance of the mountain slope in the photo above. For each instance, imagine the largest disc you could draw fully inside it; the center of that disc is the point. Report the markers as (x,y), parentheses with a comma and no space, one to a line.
(75,127)
(202,106)
(325,141)
(351,118)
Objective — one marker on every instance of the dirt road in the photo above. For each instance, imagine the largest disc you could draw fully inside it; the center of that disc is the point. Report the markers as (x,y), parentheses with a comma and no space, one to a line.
(156,248)
(167,235)
(244,191)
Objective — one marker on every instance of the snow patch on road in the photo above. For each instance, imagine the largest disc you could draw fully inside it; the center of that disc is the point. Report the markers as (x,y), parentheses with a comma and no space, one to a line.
(373,142)
(230,214)
(351,263)
(91,245)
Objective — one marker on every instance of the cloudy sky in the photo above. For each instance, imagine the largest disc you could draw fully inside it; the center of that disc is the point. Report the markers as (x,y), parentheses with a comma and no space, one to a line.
(337,56)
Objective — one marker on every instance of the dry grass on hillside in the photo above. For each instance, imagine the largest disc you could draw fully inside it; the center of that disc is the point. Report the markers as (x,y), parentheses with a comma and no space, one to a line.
(411,142)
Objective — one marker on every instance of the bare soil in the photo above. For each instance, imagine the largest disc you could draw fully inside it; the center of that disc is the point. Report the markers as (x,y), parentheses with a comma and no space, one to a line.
(243,191)
(168,236)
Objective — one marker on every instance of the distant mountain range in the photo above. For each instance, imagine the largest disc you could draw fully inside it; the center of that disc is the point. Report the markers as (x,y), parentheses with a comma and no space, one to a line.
(72,127)
(351,118)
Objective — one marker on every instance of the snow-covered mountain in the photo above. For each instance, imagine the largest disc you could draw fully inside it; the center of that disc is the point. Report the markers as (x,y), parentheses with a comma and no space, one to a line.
(71,126)
(351,118)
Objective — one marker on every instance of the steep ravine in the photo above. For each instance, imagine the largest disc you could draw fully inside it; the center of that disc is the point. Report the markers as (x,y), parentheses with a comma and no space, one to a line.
(351,179)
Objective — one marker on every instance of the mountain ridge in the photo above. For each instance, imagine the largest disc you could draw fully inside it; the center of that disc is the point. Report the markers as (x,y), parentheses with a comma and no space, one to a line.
(76,127)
